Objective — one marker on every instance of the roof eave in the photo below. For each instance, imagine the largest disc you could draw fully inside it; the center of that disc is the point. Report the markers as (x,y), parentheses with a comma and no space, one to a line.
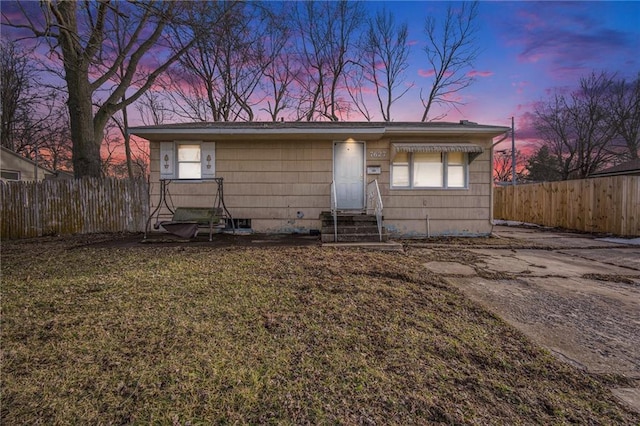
(373,132)
(461,130)
(257,133)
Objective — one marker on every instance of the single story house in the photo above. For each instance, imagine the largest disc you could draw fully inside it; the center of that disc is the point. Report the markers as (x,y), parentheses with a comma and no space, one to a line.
(428,179)
(14,167)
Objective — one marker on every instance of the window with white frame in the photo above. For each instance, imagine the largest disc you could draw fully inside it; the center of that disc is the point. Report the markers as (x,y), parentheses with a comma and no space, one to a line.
(187,160)
(429,170)
(10,175)
(189,165)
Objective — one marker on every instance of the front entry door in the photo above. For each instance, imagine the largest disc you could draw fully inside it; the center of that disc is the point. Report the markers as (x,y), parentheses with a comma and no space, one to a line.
(348,174)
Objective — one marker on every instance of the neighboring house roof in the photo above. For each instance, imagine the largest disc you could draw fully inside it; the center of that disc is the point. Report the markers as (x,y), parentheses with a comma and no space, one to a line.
(630,168)
(314,130)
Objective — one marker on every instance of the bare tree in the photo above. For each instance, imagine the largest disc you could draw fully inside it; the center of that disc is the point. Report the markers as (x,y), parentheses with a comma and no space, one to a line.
(17,95)
(152,108)
(217,79)
(53,138)
(577,128)
(281,71)
(278,79)
(327,36)
(451,50)
(624,109)
(553,124)
(34,123)
(503,166)
(385,59)
(80,34)
(589,115)
(358,88)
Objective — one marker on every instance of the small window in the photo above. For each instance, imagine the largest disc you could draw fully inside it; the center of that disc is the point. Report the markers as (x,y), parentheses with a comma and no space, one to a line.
(10,175)
(400,170)
(189,166)
(455,170)
(187,160)
(239,223)
(429,170)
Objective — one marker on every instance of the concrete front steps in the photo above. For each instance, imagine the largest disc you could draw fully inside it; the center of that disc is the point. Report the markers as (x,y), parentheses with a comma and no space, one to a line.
(352,227)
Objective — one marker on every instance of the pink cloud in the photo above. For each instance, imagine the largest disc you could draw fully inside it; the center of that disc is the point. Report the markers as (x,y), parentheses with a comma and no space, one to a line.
(426,73)
(431,73)
(530,58)
(368,90)
(476,73)
(520,86)
(533,21)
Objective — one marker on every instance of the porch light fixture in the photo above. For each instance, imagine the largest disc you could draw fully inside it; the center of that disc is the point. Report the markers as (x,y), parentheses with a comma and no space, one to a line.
(166,161)
(208,161)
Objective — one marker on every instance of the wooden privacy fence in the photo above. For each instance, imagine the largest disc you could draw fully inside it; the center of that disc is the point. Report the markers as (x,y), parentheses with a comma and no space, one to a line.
(50,207)
(606,204)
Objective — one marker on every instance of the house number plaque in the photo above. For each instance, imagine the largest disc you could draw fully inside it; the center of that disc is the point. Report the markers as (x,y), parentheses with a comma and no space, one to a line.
(378,154)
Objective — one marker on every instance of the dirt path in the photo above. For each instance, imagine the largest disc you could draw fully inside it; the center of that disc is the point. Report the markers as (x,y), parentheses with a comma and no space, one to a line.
(575,295)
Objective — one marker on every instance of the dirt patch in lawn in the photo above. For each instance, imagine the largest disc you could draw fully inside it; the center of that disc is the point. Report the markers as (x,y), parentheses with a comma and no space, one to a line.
(254,335)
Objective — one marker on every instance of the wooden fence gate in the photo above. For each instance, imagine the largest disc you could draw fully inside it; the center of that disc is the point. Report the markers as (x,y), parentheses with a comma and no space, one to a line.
(74,206)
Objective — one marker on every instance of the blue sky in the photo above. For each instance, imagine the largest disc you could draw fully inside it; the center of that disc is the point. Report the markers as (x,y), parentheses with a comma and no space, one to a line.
(528,50)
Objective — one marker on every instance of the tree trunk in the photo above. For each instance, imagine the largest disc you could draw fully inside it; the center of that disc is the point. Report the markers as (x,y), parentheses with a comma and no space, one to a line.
(86,144)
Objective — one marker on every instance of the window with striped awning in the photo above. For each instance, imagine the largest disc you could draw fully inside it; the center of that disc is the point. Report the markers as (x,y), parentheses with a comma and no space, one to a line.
(432,165)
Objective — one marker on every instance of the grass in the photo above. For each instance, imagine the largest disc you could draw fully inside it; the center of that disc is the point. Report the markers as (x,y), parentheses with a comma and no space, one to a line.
(191,335)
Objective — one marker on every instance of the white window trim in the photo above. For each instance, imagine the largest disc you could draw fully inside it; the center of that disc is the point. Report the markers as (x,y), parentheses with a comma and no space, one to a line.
(169,160)
(17,173)
(445,183)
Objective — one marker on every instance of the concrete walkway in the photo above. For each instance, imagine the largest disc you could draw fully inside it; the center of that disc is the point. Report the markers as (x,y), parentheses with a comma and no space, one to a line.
(574,294)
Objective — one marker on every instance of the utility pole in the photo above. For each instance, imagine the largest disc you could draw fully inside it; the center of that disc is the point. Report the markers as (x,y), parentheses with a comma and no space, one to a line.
(513,153)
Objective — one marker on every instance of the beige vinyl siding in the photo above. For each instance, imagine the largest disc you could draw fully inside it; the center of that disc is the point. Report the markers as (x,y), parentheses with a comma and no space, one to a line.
(267,182)
(270,182)
(12,162)
(455,211)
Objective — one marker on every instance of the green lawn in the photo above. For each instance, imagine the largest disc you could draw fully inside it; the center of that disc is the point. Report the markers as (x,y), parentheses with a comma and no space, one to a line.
(193,335)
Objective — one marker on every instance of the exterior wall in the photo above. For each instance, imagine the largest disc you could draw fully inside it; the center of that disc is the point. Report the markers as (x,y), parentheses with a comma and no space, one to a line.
(15,163)
(284,186)
(281,186)
(449,211)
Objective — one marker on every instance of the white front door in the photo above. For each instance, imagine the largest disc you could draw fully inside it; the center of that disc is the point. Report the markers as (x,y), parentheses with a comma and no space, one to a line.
(348,174)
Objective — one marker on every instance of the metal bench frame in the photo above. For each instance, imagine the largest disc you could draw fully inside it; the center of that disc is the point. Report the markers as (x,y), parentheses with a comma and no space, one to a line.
(187,220)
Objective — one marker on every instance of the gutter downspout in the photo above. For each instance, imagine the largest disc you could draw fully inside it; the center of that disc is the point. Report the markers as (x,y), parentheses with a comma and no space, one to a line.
(506,135)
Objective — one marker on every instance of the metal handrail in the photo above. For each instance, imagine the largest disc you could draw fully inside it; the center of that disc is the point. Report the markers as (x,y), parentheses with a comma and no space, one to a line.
(334,210)
(374,203)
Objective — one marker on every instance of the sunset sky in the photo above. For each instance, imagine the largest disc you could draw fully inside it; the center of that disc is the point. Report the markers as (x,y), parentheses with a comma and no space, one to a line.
(527,50)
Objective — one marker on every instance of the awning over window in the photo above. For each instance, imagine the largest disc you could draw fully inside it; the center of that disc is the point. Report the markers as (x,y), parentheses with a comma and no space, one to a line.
(440,147)
(472,150)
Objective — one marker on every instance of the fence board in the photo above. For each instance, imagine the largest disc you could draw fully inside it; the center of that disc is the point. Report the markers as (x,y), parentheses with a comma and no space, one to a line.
(58,207)
(606,204)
